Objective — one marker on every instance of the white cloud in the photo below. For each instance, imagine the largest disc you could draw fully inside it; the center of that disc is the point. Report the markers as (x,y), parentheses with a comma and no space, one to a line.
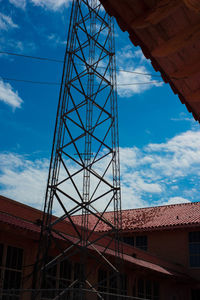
(19,3)
(134,81)
(51,4)
(47,4)
(9,96)
(176,200)
(148,176)
(55,40)
(181,155)
(22,179)
(6,22)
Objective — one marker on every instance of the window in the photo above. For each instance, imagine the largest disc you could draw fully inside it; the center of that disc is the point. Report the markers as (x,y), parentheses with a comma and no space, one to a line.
(78,274)
(11,259)
(146,289)
(59,276)
(195,294)
(194,249)
(109,282)
(49,281)
(102,282)
(139,241)
(129,240)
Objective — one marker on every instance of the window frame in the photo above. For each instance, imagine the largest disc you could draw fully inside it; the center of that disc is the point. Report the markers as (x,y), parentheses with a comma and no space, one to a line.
(122,281)
(136,241)
(192,255)
(143,294)
(4,269)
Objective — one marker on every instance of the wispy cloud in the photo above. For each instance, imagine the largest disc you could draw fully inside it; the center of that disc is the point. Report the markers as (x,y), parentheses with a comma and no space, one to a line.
(47,4)
(56,40)
(6,22)
(51,4)
(135,81)
(9,96)
(23,179)
(157,174)
(19,3)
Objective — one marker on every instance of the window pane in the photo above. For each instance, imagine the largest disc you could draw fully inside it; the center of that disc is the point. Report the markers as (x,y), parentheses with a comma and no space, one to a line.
(49,281)
(12,280)
(141,242)
(148,289)
(156,289)
(123,284)
(140,288)
(195,261)
(1,254)
(65,269)
(195,294)
(128,239)
(194,236)
(14,258)
(102,277)
(102,282)
(194,248)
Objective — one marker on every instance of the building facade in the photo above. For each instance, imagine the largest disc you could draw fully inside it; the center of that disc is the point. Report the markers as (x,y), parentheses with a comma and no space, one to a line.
(161,255)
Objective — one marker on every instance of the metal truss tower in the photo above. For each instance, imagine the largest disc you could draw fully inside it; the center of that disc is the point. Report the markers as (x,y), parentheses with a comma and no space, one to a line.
(84,176)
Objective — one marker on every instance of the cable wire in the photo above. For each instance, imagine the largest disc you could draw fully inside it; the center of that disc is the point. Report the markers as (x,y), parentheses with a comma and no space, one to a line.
(57,83)
(61,61)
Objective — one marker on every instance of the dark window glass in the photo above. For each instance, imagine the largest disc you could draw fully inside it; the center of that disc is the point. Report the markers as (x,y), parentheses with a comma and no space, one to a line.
(65,278)
(194,261)
(65,269)
(195,294)
(194,237)
(123,284)
(141,288)
(156,290)
(148,289)
(1,254)
(49,281)
(102,282)
(78,275)
(12,279)
(141,242)
(194,249)
(128,240)
(14,258)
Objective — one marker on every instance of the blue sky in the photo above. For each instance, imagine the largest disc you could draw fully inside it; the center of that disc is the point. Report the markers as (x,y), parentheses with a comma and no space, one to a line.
(159,140)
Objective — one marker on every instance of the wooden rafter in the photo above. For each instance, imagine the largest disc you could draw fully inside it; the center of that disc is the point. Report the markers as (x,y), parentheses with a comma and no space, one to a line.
(152,17)
(187,69)
(182,39)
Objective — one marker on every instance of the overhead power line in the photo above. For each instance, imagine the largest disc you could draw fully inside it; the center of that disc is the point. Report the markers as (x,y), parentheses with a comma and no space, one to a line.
(61,61)
(58,83)
(32,57)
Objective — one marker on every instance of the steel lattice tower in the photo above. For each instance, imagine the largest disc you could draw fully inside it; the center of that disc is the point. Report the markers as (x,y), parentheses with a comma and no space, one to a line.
(84,176)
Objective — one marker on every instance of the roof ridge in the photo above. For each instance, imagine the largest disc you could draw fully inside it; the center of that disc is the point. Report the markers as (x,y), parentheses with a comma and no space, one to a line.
(164,205)
(152,207)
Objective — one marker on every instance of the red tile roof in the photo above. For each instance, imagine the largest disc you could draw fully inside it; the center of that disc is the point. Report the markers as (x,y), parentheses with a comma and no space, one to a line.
(153,218)
(168,33)
(10,215)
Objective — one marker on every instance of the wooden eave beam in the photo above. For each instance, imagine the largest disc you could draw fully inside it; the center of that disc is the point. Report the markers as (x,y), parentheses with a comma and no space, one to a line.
(193,97)
(182,39)
(187,70)
(152,17)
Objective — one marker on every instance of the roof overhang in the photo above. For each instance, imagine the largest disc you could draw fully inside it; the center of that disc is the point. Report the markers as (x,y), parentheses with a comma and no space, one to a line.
(168,32)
